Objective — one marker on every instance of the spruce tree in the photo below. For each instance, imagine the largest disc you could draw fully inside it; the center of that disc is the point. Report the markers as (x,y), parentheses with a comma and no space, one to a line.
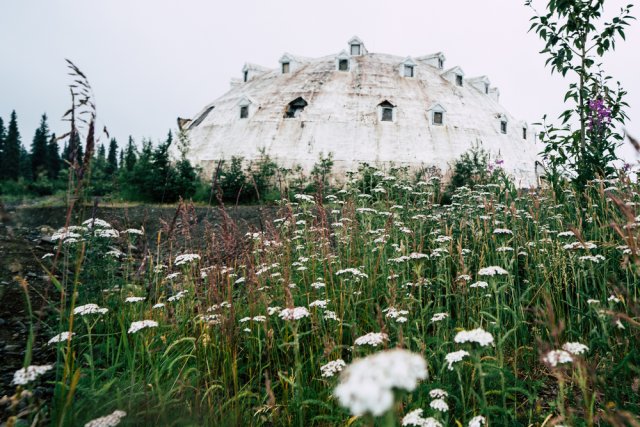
(53,158)
(10,168)
(112,158)
(39,151)
(130,157)
(2,139)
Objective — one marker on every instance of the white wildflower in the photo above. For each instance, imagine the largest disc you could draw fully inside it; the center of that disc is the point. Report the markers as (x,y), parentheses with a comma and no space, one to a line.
(319,303)
(134,299)
(439,316)
(437,393)
(186,258)
(366,386)
(555,357)
(492,271)
(478,335)
(110,420)
(96,222)
(141,324)
(479,284)
(61,337)
(439,405)
(477,421)
(133,231)
(295,313)
(575,347)
(30,373)
(158,305)
(414,418)
(89,309)
(372,338)
(454,357)
(332,368)
(502,231)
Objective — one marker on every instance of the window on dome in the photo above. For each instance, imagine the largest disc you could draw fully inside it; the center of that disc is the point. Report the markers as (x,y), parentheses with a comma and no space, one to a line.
(386,111)
(294,108)
(201,118)
(524,133)
(503,126)
(486,88)
(438,118)
(343,65)
(285,67)
(408,70)
(246,76)
(244,112)
(459,80)
(440,63)
(355,49)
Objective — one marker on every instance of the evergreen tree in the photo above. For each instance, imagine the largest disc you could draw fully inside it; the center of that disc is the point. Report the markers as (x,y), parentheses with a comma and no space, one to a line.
(112,158)
(131,157)
(2,138)
(39,151)
(53,158)
(10,168)
(121,161)
(162,174)
(73,153)
(25,164)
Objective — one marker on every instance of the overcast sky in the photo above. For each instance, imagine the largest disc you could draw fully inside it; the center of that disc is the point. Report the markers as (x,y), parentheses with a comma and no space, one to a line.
(150,61)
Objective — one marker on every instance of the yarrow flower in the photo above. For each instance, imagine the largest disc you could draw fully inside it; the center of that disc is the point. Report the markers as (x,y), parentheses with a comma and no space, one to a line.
(454,357)
(372,338)
(414,418)
(366,386)
(61,337)
(438,393)
(186,258)
(142,324)
(439,405)
(556,357)
(492,271)
(478,335)
(110,420)
(89,309)
(479,284)
(575,347)
(502,231)
(439,316)
(477,421)
(332,368)
(295,313)
(134,299)
(30,373)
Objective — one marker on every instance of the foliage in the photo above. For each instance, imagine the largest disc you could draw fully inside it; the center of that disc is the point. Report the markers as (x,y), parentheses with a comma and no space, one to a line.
(575,39)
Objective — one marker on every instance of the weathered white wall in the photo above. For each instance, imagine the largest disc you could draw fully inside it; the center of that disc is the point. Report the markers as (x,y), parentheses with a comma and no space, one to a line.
(342,118)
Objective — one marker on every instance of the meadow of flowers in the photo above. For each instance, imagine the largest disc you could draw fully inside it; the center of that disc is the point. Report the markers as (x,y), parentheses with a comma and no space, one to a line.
(373,305)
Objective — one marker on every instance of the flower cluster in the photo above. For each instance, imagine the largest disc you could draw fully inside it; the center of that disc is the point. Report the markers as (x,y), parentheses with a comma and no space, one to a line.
(30,373)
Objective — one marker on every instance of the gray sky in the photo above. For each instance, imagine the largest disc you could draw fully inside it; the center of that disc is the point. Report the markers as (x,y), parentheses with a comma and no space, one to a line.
(150,61)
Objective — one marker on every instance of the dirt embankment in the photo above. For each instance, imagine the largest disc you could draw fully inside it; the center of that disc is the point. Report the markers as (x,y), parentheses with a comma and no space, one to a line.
(24,239)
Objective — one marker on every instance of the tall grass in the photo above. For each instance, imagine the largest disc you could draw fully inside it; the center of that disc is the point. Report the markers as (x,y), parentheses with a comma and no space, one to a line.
(390,260)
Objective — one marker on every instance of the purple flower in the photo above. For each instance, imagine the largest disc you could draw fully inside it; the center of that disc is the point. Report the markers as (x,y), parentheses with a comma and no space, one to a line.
(599,115)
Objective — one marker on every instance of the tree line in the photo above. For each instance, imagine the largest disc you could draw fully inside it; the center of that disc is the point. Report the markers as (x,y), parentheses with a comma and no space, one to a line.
(130,173)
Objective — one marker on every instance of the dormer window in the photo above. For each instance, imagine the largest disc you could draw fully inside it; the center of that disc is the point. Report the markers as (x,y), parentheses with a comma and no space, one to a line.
(343,65)
(408,70)
(503,126)
(459,80)
(246,76)
(438,118)
(244,112)
(286,66)
(294,108)
(386,111)
(524,133)
(440,63)
(355,49)
(486,88)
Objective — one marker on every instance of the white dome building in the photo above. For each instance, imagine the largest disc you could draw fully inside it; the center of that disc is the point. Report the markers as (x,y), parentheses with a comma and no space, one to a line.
(361,107)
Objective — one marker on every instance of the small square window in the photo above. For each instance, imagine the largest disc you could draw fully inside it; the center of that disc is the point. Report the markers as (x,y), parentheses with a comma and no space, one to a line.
(524,133)
(355,49)
(343,65)
(459,80)
(244,112)
(387,114)
(285,67)
(438,117)
(408,71)
(246,76)
(503,126)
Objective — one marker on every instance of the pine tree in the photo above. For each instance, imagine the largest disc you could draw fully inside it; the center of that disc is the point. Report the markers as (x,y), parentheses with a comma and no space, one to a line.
(121,161)
(10,168)
(39,151)
(25,164)
(130,157)
(2,139)
(53,158)
(112,158)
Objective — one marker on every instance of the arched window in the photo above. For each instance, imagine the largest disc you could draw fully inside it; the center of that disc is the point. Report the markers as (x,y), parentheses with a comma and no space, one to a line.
(295,107)
(386,111)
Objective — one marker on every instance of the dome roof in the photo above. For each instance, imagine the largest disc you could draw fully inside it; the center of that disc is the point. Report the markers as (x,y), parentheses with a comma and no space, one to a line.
(367,107)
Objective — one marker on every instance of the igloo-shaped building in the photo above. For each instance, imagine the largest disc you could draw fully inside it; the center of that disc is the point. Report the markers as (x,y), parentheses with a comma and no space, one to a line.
(361,107)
